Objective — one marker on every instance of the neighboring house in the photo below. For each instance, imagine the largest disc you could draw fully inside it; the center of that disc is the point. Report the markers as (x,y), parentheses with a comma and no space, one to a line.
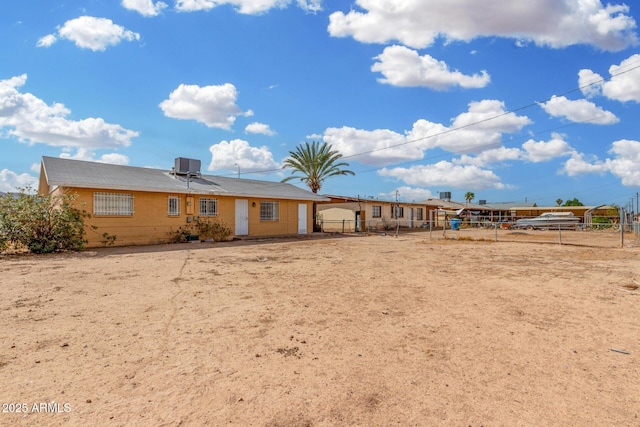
(348,214)
(143,206)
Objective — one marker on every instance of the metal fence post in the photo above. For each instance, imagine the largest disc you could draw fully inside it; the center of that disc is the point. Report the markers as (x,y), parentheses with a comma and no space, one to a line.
(560,233)
(622,216)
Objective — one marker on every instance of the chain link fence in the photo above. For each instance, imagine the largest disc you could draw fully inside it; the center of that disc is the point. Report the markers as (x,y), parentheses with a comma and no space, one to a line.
(609,235)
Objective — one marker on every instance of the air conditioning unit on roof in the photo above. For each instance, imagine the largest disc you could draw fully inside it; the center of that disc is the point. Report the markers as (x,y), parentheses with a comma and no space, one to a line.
(184,166)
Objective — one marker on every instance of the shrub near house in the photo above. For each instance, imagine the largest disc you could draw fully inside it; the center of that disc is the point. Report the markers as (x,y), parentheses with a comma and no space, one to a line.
(40,224)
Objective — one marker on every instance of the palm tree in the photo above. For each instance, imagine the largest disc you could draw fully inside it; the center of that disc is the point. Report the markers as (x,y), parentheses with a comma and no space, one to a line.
(313,163)
(469,196)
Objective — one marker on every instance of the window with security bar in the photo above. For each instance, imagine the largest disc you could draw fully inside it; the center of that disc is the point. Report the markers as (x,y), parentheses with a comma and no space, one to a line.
(174,206)
(268,211)
(112,204)
(376,211)
(208,207)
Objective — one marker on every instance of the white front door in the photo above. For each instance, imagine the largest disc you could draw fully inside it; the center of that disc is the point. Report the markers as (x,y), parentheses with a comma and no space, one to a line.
(302,218)
(410,217)
(242,217)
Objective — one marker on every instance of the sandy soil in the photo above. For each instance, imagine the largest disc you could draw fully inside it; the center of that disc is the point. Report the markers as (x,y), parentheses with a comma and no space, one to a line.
(339,331)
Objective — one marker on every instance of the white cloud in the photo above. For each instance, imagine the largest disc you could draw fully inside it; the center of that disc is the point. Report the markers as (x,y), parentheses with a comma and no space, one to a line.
(311,6)
(404,67)
(88,32)
(554,23)
(408,194)
(577,165)
(578,111)
(195,5)
(542,151)
(214,106)
(623,84)
(229,155)
(89,156)
(481,127)
(446,174)
(381,146)
(478,129)
(31,120)
(624,163)
(259,128)
(144,7)
(11,181)
(47,40)
(590,83)
(114,158)
(494,155)
(249,7)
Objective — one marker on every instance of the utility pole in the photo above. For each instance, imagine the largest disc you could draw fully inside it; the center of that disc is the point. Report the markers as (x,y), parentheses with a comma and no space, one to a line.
(396,214)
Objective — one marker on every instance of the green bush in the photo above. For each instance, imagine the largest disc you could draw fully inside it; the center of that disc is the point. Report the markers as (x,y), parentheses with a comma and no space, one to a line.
(601,222)
(41,224)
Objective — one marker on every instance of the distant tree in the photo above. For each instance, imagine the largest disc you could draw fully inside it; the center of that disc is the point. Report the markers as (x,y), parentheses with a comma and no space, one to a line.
(613,210)
(574,202)
(559,202)
(469,196)
(313,163)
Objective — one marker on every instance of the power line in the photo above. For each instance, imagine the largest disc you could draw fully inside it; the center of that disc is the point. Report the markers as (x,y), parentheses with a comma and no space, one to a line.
(628,68)
(451,130)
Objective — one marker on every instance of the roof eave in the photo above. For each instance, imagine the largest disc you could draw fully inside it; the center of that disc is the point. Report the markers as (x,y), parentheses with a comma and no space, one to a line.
(184,191)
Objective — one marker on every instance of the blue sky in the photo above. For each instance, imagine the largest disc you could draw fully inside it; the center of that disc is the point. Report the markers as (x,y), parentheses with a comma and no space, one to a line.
(513,101)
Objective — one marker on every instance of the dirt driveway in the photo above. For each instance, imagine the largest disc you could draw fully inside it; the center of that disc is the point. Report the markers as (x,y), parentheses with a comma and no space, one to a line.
(340,331)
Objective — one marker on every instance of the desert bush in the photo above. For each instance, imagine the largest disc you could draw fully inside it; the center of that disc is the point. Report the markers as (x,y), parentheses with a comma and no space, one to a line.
(213,229)
(182,234)
(108,239)
(204,228)
(41,224)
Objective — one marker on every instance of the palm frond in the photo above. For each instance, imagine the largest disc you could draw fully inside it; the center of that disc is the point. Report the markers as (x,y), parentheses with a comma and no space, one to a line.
(313,163)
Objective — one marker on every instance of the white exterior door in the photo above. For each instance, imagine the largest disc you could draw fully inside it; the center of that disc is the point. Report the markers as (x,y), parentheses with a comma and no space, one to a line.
(302,218)
(242,217)
(410,217)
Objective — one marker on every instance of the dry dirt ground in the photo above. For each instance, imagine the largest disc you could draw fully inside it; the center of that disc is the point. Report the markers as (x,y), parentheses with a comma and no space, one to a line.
(333,331)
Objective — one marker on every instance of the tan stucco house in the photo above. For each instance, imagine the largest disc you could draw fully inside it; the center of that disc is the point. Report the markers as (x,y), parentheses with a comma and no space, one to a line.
(348,214)
(143,206)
